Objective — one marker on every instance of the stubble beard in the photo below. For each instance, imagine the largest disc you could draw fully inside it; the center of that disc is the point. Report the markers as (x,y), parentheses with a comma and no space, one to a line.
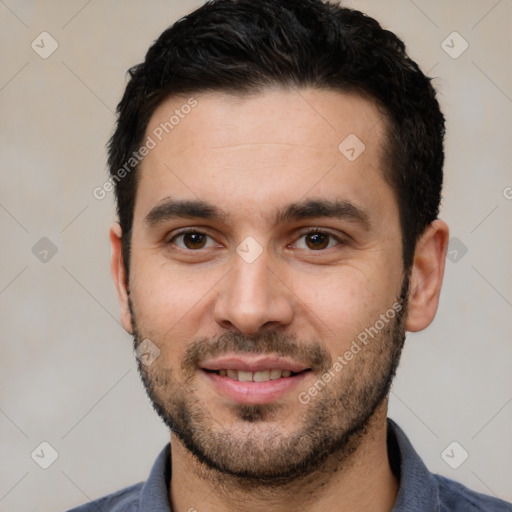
(256,450)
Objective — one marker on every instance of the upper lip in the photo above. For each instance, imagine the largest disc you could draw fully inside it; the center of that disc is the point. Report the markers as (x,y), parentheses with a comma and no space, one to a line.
(253,364)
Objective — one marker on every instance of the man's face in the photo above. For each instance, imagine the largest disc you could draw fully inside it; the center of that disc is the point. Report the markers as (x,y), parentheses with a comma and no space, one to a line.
(293,253)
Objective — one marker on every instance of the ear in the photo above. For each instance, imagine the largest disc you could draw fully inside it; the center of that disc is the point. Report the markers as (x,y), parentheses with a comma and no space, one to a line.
(427,276)
(117,268)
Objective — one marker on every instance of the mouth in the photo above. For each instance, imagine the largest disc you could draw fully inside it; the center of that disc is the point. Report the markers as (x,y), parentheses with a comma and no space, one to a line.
(259,376)
(250,379)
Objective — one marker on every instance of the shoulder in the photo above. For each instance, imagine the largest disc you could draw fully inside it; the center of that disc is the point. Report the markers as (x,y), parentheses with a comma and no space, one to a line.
(454,496)
(153,494)
(125,500)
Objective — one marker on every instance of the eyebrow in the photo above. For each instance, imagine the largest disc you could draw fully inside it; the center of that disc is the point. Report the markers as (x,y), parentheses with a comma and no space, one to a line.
(302,210)
(314,208)
(183,209)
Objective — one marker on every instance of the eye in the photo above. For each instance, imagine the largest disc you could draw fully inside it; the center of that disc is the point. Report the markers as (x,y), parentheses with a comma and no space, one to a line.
(192,240)
(317,241)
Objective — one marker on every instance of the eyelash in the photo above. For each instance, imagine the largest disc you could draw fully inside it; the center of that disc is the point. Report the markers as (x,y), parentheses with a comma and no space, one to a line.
(311,231)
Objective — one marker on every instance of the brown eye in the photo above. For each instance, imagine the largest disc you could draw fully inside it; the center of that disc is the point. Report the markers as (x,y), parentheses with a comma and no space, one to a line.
(317,241)
(192,240)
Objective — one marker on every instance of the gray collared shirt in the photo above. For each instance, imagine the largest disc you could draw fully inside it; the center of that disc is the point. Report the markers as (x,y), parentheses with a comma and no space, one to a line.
(420,490)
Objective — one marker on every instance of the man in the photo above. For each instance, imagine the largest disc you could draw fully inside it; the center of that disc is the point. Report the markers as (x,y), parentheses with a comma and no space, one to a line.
(278,171)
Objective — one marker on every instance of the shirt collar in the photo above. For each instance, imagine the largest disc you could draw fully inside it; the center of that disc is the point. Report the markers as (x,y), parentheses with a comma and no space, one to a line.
(418,488)
(154,495)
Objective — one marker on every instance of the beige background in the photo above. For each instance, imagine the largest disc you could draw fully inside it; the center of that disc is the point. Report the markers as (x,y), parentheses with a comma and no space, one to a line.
(68,375)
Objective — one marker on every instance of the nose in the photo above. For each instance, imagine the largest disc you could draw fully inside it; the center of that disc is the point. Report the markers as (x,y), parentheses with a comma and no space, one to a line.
(252,298)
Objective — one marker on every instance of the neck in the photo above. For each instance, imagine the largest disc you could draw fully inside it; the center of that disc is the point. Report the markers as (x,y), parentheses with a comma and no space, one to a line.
(360,478)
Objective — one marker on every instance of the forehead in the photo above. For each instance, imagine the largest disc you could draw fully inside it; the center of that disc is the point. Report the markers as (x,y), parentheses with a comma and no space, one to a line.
(300,116)
(251,151)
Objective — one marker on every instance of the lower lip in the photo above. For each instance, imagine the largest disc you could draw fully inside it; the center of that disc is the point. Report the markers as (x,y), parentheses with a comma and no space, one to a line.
(252,393)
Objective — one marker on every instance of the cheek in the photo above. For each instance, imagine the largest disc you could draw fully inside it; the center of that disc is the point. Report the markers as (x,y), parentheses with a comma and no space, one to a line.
(341,304)
(166,298)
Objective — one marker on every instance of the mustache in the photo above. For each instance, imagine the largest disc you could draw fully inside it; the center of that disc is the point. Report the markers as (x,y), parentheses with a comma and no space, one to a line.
(312,354)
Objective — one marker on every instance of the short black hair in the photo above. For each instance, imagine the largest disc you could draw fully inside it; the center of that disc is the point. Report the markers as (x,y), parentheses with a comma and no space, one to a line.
(247,46)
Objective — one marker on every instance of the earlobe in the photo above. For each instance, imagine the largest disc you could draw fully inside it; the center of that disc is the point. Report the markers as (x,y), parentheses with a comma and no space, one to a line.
(118,270)
(427,276)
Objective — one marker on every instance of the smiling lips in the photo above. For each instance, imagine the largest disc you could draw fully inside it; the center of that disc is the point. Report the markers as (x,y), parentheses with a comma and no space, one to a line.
(261,376)
(254,379)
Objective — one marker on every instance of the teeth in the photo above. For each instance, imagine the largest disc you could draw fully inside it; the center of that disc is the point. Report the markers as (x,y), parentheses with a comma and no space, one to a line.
(275,374)
(261,376)
(244,376)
